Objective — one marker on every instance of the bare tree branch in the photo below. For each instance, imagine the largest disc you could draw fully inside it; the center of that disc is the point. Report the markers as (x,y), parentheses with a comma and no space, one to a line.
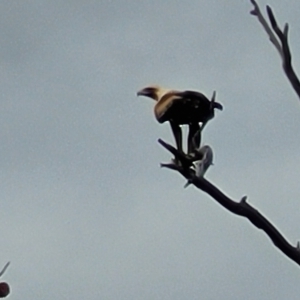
(282,46)
(241,208)
(256,12)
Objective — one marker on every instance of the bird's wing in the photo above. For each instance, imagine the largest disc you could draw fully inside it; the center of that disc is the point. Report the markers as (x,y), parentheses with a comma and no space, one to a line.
(162,106)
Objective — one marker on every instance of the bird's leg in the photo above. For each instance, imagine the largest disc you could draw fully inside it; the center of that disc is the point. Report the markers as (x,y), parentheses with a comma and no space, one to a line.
(177,135)
(194,137)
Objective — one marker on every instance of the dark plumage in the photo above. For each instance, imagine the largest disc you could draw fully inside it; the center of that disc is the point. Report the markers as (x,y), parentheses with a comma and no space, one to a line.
(179,108)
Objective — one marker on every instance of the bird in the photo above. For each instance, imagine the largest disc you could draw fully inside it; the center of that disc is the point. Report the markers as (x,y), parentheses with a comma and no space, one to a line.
(201,166)
(182,108)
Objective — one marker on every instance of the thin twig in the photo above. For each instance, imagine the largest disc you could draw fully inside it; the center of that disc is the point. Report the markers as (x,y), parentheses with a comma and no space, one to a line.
(283,49)
(256,12)
(4,268)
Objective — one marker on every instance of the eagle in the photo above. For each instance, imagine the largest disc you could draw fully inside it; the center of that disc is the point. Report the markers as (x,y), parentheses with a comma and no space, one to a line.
(180,108)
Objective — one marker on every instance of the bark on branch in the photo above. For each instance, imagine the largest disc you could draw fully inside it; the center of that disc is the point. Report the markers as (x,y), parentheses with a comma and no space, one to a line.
(280,42)
(241,208)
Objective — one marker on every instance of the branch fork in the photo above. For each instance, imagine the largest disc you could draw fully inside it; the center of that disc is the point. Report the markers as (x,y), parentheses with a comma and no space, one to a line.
(183,163)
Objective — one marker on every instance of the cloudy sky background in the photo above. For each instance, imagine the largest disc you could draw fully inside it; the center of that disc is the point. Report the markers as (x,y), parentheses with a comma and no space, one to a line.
(86,212)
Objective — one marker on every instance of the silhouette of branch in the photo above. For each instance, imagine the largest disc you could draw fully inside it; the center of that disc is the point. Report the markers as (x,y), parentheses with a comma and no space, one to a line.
(241,208)
(282,45)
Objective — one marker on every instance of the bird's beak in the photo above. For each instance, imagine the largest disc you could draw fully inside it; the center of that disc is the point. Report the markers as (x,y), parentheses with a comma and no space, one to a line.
(147,92)
(144,92)
(140,93)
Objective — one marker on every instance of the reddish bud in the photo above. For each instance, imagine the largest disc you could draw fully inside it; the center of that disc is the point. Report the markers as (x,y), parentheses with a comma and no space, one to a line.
(4,289)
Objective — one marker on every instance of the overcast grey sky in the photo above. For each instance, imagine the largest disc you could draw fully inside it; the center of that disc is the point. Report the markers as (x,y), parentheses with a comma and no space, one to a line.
(86,212)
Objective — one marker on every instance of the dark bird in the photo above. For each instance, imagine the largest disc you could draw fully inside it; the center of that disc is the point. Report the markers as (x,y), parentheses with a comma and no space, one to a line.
(179,108)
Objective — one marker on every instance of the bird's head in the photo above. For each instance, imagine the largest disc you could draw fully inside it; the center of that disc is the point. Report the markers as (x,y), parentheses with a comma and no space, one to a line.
(153,91)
